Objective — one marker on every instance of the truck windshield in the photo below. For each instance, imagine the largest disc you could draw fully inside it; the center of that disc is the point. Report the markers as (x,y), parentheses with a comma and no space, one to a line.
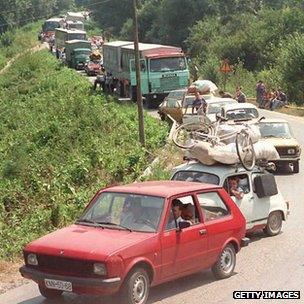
(50,26)
(130,211)
(82,52)
(168,64)
(77,36)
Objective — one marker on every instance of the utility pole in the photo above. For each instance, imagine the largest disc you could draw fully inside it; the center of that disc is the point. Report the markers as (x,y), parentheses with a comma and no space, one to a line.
(140,107)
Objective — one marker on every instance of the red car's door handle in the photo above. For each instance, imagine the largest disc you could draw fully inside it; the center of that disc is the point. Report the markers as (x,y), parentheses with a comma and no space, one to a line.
(202,231)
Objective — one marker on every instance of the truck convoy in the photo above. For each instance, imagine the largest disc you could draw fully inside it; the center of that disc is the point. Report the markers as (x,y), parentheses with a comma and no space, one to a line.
(77,53)
(63,35)
(163,69)
(48,28)
(75,16)
(77,25)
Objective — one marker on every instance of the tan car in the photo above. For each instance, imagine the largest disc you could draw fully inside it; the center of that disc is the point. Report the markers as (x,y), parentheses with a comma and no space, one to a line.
(278,132)
(173,105)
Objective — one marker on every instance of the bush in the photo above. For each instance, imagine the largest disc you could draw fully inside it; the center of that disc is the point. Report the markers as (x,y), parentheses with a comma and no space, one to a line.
(291,62)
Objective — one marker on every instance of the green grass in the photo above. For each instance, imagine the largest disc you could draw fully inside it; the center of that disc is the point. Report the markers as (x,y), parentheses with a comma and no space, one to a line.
(59,143)
(17,41)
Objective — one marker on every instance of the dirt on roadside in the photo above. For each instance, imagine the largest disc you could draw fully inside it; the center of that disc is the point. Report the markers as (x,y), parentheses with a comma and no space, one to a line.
(10,276)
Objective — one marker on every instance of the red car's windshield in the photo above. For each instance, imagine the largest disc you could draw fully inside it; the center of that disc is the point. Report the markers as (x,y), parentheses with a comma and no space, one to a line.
(125,210)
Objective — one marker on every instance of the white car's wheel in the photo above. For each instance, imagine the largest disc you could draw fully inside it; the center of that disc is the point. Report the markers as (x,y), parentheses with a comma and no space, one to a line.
(274,223)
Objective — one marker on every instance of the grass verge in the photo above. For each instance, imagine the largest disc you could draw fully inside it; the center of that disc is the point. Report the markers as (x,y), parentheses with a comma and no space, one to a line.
(18,41)
(59,143)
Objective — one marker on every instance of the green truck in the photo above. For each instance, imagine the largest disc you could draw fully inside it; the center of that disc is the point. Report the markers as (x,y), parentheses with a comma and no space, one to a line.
(163,69)
(62,35)
(77,53)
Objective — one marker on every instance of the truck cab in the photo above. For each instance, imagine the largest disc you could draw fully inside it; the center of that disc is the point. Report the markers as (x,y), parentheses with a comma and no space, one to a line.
(163,69)
(77,53)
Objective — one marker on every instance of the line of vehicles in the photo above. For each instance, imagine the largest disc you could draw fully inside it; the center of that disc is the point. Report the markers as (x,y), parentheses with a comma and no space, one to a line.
(163,68)
(135,236)
(276,132)
(132,237)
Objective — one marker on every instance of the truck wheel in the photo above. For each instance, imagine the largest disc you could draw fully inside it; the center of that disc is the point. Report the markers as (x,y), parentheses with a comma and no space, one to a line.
(296,167)
(151,104)
(49,293)
(162,116)
(225,264)
(136,287)
(121,89)
(274,223)
(134,93)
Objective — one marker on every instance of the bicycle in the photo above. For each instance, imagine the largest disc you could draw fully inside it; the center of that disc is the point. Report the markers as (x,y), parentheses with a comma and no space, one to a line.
(187,135)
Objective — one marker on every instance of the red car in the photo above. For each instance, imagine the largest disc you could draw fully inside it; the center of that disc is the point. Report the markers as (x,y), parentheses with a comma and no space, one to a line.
(136,236)
(93,68)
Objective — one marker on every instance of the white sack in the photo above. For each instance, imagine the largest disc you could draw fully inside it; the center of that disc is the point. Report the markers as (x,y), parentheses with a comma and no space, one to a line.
(201,152)
(265,150)
(225,154)
(225,129)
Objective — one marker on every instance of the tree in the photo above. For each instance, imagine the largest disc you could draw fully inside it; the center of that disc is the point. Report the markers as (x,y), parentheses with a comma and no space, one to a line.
(292,67)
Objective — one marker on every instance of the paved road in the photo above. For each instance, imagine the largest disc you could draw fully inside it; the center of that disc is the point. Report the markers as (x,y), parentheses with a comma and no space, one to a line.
(275,263)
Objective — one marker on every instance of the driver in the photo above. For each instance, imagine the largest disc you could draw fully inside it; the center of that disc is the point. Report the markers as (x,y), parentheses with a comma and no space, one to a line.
(134,213)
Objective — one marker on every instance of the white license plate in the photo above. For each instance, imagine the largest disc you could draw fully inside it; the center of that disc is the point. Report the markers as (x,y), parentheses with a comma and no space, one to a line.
(59,285)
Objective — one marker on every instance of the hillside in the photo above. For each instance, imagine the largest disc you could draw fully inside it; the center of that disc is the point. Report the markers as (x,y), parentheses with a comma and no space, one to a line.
(59,143)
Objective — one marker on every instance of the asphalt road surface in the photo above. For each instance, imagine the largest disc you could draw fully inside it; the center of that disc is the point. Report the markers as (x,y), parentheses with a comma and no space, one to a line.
(268,263)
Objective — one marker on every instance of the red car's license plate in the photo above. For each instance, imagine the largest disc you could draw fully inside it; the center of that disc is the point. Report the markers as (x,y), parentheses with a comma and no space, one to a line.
(59,285)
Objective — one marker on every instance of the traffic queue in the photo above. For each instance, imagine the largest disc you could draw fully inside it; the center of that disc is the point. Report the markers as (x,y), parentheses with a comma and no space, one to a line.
(132,237)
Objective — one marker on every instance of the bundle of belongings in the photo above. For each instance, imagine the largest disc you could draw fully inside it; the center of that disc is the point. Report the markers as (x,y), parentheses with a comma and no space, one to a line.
(95,55)
(226,152)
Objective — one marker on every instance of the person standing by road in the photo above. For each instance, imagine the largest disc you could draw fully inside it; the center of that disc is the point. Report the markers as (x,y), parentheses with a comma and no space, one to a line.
(240,95)
(260,93)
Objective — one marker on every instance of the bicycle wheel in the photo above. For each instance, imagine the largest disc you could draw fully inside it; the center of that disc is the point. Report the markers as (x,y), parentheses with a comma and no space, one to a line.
(245,150)
(186,135)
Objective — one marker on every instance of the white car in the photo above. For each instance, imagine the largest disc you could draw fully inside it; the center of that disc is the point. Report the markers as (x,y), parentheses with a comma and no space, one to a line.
(214,106)
(240,112)
(262,204)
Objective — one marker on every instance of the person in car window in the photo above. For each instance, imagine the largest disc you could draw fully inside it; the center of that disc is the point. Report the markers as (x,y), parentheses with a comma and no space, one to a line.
(235,189)
(187,213)
(177,209)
